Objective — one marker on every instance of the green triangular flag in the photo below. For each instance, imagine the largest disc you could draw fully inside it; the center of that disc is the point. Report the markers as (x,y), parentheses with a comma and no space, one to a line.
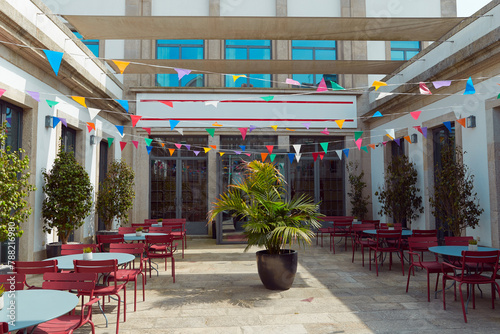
(498,97)
(51,103)
(324,146)
(267,98)
(110,141)
(364,148)
(272,156)
(336,86)
(211,132)
(148,141)
(357,135)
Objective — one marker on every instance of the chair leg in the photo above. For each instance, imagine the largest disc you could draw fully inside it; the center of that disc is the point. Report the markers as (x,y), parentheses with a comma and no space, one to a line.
(462,300)
(444,292)
(173,268)
(408,280)
(428,287)
(403,264)
(124,303)
(376,262)
(135,294)
(143,287)
(118,313)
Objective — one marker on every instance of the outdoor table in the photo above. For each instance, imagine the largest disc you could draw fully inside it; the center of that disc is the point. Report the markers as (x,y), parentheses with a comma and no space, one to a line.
(65,262)
(33,307)
(456,251)
(404,233)
(134,237)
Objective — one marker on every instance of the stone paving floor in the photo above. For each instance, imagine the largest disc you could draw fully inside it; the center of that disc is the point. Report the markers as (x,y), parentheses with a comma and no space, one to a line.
(218,290)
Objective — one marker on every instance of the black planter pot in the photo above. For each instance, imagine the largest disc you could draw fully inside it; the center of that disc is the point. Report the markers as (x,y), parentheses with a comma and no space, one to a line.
(53,249)
(277,271)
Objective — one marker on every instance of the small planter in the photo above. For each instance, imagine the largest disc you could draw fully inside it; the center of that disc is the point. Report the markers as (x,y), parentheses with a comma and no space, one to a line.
(1,302)
(87,256)
(138,234)
(473,247)
(390,228)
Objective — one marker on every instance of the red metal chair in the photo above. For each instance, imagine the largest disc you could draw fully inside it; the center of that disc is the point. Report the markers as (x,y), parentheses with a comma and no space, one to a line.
(457,241)
(369,221)
(162,229)
(161,246)
(387,241)
(424,233)
(473,275)
(34,268)
(111,289)
(130,274)
(360,239)
(105,240)
(341,229)
(70,249)
(126,230)
(178,227)
(13,284)
(83,284)
(326,230)
(4,328)
(397,226)
(417,246)
(150,221)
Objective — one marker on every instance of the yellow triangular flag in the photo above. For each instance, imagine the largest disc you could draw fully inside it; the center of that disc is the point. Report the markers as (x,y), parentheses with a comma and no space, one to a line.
(407,139)
(378,84)
(235,77)
(171,150)
(340,123)
(221,153)
(122,65)
(390,136)
(275,127)
(80,100)
(207,149)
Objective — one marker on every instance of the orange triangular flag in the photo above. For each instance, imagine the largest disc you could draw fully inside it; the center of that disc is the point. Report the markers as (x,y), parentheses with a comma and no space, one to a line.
(372,146)
(461,121)
(407,138)
(275,127)
(171,150)
(80,100)
(264,156)
(167,103)
(135,119)
(90,126)
(340,122)
(122,65)
(213,146)
(162,144)
(207,149)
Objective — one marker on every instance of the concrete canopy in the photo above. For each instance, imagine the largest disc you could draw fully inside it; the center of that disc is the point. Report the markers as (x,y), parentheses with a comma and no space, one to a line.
(273,28)
(143,66)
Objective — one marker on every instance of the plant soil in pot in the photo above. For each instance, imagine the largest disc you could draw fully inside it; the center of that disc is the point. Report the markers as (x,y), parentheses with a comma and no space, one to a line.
(277,271)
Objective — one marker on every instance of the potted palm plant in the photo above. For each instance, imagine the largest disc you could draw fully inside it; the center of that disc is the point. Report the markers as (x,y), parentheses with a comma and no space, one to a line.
(273,220)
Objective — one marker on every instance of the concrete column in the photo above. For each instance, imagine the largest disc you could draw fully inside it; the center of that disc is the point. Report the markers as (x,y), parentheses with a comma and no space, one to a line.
(493,147)
(213,174)
(214,49)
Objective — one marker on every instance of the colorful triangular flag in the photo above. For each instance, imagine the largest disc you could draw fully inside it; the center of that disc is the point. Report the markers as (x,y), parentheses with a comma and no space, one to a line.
(149,148)
(221,153)
(322,86)
(291,157)
(181,72)
(122,145)
(307,125)
(270,148)
(377,114)
(171,150)
(358,143)
(461,121)
(196,152)
(110,141)
(346,152)
(90,126)
(297,147)
(267,98)
(390,133)
(324,146)
(439,84)
(80,100)
(51,103)
(173,124)
(469,87)
(243,147)
(263,156)
(372,146)
(55,121)
(448,125)
(120,129)
(211,132)
(364,148)
(407,138)
(415,114)
(122,65)
(251,128)
(424,131)
(424,89)
(292,82)
(216,124)
(275,127)
(178,146)
(63,121)
(272,157)
(325,131)
(336,86)
(54,59)
(298,156)
(206,149)
(2,91)
(357,135)
(340,122)
(398,141)
(236,77)
(136,143)
(378,84)
(213,146)
(243,132)
(339,153)
(315,155)
(34,95)
(148,141)
(212,103)
(124,104)
(148,130)
(167,103)
(135,119)
(321,155)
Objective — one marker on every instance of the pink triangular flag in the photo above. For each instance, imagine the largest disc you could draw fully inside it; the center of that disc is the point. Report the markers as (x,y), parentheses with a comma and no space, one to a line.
(424,89)
(292,82)
(325,131)
(243,132)
(136,143)
(135,119)
(2,91)
(167,103)
(123,144)
(270,148)
(358,143)
(178,145)
(148,130)
(322,86)
(415,114)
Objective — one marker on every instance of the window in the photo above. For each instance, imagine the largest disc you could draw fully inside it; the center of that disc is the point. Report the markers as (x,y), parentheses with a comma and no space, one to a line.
(92,44)
(179,49)
(404,50)
(13,116)
(68,139)
(314,50)
(251,50)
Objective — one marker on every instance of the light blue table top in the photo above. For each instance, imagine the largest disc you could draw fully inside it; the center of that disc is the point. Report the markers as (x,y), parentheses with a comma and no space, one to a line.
(32,307)
(405,233)
(134,237)
(456,250)
(65,262)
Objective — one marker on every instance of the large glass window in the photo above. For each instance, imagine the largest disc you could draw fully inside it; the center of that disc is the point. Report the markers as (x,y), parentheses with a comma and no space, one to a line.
(404,50)
(180,49)
(68,139)
(92,44)
(251,50)
(314,50)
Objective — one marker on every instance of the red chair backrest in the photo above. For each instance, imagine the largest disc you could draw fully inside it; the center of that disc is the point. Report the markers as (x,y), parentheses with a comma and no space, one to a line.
(393,235)
(163,229)
(69,249)
(424,233)
(110,238)
(35,267)
(167,240)
(70,281)
(13,281)
(4,328)
(457,241)
(97,267)
(397,226)
(144,226)
(362,227)
(482,260)
(422,243)
(136,249)
(150,221)
(126,230)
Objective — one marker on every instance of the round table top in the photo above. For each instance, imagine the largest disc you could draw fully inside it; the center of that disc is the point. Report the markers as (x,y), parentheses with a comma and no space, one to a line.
(456,250)
(65,262)
(32,307)
(134,237)
(405,233)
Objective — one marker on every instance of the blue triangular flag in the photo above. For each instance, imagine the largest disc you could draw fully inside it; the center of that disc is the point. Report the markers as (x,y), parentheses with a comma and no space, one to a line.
(149,148)
(55,121)
(448,125)
(54,59)
(377,114)
(346,152)
(469,87)
(120,129)
(173,124)
(243,147)
(291,156)
(123,103)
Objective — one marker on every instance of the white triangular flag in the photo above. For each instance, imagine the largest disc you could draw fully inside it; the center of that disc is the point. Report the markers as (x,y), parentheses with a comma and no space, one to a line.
(297,156)
(339,153)
(457,110)
(212,103)
(180,130)
(391,133)
(297,148)
(382,95)
(93,112)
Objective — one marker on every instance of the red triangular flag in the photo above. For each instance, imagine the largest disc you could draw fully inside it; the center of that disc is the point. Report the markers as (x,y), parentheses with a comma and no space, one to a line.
(171,150)
(270,148)
(321,155)
(424,89)
(90,126)
(243,132)
(315,156)
(123,144)
(135,119)
(168,103)
(148,130)
(415,114)
(264,156)
(461,121)
(136,143)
